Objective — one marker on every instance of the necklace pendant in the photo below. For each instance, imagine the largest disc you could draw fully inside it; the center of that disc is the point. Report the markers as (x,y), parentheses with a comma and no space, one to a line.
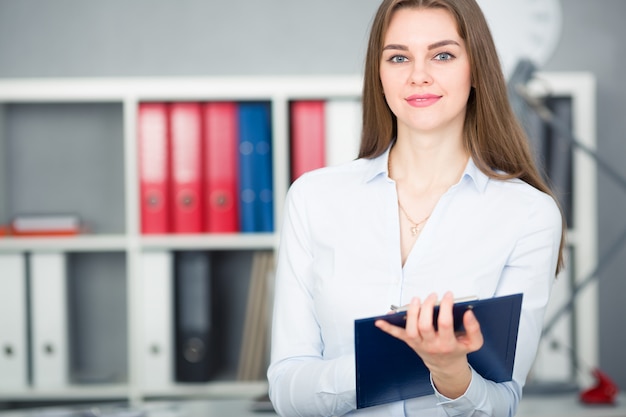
(415,230)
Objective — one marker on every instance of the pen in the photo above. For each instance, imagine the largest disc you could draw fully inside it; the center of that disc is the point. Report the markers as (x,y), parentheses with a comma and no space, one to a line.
(397,309)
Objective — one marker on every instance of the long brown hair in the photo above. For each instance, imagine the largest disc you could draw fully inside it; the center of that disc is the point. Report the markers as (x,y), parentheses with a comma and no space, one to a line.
(492,134)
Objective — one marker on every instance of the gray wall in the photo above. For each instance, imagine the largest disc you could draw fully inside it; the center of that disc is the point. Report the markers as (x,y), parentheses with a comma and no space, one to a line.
(184,37)
(69,38)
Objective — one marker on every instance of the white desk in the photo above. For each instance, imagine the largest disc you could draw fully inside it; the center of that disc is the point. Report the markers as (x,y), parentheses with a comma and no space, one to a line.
(531,406)
(567,405)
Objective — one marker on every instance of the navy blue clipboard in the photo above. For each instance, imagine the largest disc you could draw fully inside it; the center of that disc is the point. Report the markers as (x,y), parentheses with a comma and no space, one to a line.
(387,370)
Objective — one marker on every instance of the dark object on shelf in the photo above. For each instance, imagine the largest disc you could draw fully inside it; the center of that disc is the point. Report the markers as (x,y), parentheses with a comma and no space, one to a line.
(193,322)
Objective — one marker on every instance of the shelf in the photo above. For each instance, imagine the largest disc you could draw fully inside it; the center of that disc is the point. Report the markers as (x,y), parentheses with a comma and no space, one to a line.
(93,243)
(242,241)
(187,88)
(108,243)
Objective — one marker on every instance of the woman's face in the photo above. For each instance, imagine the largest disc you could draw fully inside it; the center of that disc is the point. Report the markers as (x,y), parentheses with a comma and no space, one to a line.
(425,70)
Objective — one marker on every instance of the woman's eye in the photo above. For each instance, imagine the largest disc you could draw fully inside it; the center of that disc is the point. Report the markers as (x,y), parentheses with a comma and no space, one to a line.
(398,59)
(444,56)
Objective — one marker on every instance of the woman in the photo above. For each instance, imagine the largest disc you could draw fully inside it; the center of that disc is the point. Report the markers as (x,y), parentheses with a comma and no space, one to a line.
(444,201)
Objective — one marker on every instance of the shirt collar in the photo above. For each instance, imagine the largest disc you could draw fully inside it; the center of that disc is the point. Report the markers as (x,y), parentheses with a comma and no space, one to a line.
(476,175)
(379,166)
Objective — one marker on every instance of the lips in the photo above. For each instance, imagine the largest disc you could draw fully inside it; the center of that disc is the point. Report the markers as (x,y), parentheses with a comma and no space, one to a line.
(422,100)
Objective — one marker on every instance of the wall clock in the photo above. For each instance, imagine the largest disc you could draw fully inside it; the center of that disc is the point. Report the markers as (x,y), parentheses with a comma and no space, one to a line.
(521,29)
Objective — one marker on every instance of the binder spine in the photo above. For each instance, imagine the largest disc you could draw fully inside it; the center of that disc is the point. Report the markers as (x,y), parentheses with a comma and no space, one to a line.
(308,136)
(343,131)
(255,168)
(153,149)
(221,167)
(186,161)
(194,347)
(13,322)
(49,333)
(157,313)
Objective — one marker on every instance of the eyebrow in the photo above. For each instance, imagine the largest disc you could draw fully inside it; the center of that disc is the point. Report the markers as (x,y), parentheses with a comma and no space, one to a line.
(443,43)
(430,47)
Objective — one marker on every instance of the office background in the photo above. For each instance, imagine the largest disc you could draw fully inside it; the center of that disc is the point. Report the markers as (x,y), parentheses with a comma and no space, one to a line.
(89,38)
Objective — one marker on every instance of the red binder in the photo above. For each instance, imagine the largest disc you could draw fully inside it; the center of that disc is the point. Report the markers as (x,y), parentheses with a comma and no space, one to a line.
(221,167)
(186,160)
(153,167)
(307,137)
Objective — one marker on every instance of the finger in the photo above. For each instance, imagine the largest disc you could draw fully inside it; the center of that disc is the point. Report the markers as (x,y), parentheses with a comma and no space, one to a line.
(473,337)
(412,315)
(425,319)
(393,330)
(445,320)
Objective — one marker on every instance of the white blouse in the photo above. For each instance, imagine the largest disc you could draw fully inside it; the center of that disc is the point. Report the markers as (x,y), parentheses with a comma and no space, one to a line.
(339,260)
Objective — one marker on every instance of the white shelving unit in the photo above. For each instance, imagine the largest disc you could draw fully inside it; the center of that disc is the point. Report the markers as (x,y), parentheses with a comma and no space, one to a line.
(129,93)
(279,91)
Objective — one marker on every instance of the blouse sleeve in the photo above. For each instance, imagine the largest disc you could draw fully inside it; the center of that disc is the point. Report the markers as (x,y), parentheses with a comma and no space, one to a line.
(530,270)
(301,382)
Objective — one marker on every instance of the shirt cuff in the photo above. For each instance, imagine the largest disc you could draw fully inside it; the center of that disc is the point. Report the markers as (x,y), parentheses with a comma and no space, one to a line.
(464,404)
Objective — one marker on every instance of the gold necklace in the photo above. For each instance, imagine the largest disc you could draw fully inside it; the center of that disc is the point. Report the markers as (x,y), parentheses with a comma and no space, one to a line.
(417,226)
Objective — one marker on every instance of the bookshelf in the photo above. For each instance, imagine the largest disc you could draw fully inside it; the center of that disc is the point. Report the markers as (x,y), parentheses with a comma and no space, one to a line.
(81,137)
(82,134)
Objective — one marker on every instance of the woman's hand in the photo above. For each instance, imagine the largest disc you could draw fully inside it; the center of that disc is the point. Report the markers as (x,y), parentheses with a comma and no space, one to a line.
(443,352)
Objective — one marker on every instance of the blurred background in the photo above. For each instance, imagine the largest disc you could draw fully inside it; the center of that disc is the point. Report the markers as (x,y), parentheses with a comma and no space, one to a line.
(138,38)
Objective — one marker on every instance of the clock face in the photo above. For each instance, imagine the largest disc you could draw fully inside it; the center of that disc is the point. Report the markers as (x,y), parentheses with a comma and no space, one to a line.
(523,29)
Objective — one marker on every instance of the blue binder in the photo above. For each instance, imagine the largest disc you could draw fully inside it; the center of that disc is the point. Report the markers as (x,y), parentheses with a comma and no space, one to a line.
(387,370)
(255,167)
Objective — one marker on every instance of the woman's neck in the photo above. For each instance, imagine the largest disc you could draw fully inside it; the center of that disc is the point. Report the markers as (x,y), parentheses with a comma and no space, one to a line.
(428,164)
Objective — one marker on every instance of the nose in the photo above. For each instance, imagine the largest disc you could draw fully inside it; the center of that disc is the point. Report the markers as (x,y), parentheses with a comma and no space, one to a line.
(420,74)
